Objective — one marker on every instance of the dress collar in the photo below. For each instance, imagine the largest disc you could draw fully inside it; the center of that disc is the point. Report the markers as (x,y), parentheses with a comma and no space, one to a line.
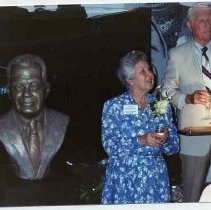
(150,98)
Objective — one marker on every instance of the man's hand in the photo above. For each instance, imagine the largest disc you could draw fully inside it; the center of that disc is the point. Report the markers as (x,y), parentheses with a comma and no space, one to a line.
(198,97)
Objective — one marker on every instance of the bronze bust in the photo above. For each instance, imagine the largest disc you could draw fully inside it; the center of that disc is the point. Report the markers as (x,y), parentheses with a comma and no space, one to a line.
(30,133)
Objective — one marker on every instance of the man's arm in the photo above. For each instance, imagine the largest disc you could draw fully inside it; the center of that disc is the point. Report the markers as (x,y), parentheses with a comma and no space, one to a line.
(171,87)
(171,83)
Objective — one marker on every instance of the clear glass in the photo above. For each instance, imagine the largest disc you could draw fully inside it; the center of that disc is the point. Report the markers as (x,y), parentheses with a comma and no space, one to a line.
(159,129)
(207,110)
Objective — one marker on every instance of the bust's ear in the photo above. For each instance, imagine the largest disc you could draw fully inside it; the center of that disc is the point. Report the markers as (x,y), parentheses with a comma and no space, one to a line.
(8,90)
(47,88)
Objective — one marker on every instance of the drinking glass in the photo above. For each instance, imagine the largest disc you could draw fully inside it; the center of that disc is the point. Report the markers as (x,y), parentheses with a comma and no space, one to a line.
(159,129)
(208,107)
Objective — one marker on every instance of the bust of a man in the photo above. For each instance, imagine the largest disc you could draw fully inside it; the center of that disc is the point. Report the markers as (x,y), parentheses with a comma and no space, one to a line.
(30,133)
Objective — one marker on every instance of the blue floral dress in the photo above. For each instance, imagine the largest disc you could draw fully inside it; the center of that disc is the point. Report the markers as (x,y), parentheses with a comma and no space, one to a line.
(135,173)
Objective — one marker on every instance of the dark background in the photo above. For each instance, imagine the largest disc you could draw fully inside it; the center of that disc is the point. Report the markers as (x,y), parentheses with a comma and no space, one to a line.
(81,55)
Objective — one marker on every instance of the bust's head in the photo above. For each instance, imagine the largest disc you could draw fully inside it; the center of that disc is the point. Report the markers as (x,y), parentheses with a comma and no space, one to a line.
(28,85)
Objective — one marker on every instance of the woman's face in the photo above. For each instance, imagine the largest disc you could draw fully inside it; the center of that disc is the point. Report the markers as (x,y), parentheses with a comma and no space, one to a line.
(143,79)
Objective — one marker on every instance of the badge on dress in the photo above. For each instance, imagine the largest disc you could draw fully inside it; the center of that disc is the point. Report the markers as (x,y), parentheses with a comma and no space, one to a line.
(130,109)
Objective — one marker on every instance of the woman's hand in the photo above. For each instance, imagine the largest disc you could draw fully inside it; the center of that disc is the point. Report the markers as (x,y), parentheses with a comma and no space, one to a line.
(154,139)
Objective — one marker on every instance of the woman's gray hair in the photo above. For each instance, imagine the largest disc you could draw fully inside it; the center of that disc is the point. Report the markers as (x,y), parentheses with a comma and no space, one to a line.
(127,64)
(195,6)
(27,61)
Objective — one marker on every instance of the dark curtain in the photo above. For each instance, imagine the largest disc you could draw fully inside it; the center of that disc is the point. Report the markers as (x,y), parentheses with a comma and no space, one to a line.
(81,56)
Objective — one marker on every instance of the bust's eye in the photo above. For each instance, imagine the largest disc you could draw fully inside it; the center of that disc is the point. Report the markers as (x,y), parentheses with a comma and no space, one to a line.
(34,85)
(17,87)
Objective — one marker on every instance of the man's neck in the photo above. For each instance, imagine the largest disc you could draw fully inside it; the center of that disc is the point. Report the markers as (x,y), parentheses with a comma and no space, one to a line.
(26,120)
(203,43)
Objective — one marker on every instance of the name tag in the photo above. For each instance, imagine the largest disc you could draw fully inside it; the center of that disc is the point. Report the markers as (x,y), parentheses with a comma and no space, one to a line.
(130,109)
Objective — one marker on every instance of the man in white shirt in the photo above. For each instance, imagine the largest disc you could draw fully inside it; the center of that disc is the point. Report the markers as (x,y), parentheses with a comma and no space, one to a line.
(184,83)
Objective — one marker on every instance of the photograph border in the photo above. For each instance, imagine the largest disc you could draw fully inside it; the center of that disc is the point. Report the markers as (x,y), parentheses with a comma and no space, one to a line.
(172,206)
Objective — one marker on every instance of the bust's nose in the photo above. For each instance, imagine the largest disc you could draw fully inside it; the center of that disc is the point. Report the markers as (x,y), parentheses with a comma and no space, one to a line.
(26,91)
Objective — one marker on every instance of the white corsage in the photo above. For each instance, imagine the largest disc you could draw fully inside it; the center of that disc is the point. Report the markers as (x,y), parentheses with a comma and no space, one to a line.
(159,107)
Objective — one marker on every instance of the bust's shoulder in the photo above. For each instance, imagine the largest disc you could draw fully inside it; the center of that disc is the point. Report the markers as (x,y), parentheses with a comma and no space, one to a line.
(55,116)
(6,118)
(53,112)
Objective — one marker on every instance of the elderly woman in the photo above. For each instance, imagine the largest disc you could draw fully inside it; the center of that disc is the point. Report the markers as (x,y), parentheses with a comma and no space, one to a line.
(136,170)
